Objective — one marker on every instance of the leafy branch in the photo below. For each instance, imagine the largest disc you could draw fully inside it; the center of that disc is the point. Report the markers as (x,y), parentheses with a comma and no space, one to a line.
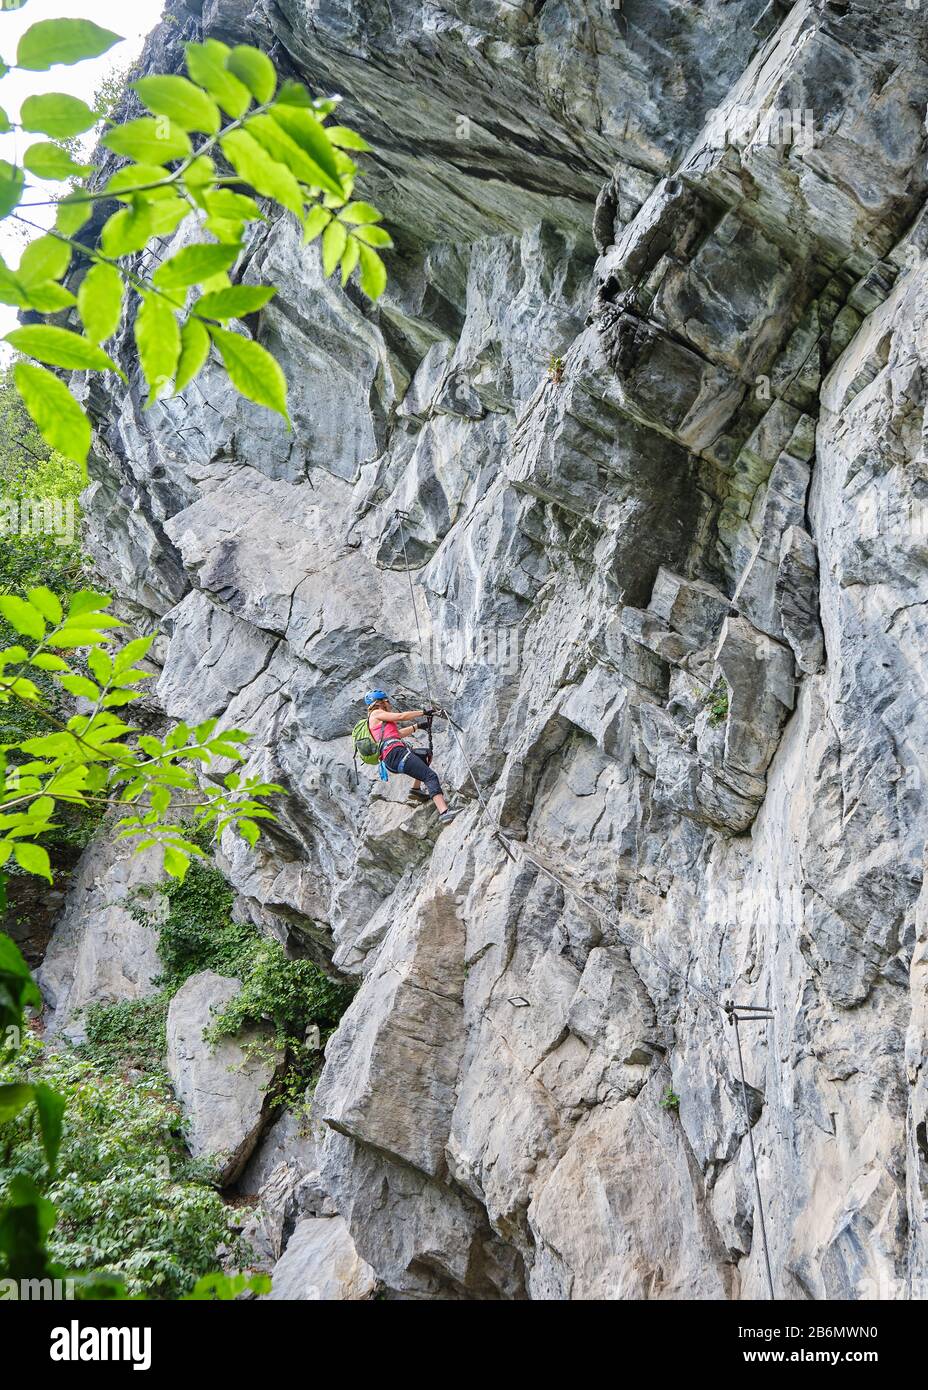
(96,758)
(278,142)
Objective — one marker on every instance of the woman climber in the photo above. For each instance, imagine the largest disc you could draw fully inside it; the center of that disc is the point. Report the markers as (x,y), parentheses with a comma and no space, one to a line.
(390,728)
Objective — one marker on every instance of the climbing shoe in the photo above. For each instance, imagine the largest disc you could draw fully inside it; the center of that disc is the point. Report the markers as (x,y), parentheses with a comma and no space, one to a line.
(417,794)
(448,816)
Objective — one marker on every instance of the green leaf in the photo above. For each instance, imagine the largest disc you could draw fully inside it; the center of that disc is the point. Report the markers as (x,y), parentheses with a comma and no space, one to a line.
(128,230)
(14,967)
(12,180)
(200,173)
(373,236)
(228,212)
(132,652)
(249,831)
(334,239)
(373,273)
(45,258)
(360,212)
(47,603)
(188,106)
(194,350)
(49,161)
(121,697)
(293,93)
(166,212)
(346,139)
(266,176)
(255,69)
(317,219)
(285,150)
(60,420)
(5,125)
(72,214)
(349,259)
(194,264)
(99,301)
(22,616)
(132,177)
(13,1100)
(50,1106)
(253,371)
(79,685)
(46,662)
(87,601)
(70,638)
(178,735)
(32,858)
(49,297)
(302,126)
(57,114)
(176,863)
(150,140)
(100,664)
(68,41)
(235,302)
(157,337)
(206,63)
(59,347)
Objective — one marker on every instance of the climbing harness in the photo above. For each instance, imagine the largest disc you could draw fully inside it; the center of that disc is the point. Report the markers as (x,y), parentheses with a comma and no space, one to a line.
(735,1014)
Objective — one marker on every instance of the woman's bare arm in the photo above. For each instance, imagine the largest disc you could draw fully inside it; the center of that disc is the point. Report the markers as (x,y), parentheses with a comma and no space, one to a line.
(390,716)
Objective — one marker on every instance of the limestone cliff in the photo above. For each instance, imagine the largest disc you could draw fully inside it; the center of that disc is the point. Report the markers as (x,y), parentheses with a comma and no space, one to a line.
(649,386)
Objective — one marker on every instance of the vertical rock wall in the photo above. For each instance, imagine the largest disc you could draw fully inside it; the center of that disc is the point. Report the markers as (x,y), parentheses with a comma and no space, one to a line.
(649,386)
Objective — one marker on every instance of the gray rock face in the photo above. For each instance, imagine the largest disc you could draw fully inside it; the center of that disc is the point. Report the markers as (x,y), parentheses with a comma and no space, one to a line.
(674,592)
(321,1264)
(222,1086)
(101,953)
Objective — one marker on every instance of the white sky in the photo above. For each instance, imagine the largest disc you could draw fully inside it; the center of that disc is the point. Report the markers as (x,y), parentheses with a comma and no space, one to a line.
(133,19)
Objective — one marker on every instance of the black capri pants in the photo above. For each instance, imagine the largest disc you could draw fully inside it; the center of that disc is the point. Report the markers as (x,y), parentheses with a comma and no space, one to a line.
(411,762)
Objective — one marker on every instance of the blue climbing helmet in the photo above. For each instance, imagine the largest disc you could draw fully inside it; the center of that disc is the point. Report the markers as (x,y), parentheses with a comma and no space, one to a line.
(373,696)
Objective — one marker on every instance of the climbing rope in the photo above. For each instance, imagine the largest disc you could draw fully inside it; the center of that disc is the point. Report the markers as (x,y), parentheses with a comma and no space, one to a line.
(735,1014)
(415,611)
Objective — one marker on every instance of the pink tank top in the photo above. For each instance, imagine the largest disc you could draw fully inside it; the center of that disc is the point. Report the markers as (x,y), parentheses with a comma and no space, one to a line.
(385,731)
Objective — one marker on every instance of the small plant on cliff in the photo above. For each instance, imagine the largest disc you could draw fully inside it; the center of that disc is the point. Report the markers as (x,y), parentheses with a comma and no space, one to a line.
(670,1100)
(198,933)
(556,369)
(717,702)
(279,143)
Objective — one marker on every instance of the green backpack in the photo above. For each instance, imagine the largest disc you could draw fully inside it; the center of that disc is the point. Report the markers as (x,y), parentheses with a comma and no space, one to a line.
(365,745)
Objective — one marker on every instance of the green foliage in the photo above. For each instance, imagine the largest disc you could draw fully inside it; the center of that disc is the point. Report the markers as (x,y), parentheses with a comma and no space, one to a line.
(128,1034)
(40,517)
(128,1199)
(717,702)
(94,758)
(670,1100)
(278,144)
(291,994)
(89,761)
(197,932)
